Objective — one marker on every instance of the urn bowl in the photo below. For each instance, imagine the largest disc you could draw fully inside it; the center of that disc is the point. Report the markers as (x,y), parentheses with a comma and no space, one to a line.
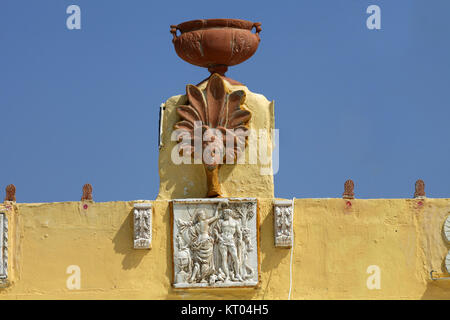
(216,43)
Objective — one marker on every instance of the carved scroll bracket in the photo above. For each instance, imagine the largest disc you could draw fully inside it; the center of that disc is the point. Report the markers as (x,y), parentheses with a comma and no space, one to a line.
(283,223)
(142,216)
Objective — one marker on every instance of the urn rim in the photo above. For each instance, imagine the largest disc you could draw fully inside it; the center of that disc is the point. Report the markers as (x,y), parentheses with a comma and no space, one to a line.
(198,24)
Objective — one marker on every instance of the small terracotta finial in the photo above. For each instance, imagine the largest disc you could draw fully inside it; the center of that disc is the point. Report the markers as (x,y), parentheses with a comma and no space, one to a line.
(349,187)
(10,193)
(87,192)
(420,189)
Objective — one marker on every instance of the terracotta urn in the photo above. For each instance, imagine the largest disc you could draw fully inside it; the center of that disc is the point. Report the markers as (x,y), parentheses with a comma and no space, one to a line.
(216,44)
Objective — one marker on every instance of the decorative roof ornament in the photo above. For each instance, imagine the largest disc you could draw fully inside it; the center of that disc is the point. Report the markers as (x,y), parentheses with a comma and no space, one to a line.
(349,187)
(10,193)
(420,189)
(219,115)
(87,193)
(213,128)
(216,44)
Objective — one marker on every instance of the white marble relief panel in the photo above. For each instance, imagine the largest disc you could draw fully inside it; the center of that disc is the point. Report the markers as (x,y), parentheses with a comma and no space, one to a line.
(215,243)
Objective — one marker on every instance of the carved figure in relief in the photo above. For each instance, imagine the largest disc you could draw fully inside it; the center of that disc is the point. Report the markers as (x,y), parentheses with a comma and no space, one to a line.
(203,248)
(201,244)
(184,261)
(247,272)
(229,234)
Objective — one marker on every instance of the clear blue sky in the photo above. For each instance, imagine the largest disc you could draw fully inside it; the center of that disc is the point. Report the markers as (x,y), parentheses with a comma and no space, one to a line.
(81,106)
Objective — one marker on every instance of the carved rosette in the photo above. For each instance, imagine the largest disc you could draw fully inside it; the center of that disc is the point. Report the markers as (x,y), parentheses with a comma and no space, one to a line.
(215,243)
(213,128)
(283,223)
(142,217)
(3,248)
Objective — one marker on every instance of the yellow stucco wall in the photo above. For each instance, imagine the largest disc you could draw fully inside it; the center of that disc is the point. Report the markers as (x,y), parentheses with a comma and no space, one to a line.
(334,245)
